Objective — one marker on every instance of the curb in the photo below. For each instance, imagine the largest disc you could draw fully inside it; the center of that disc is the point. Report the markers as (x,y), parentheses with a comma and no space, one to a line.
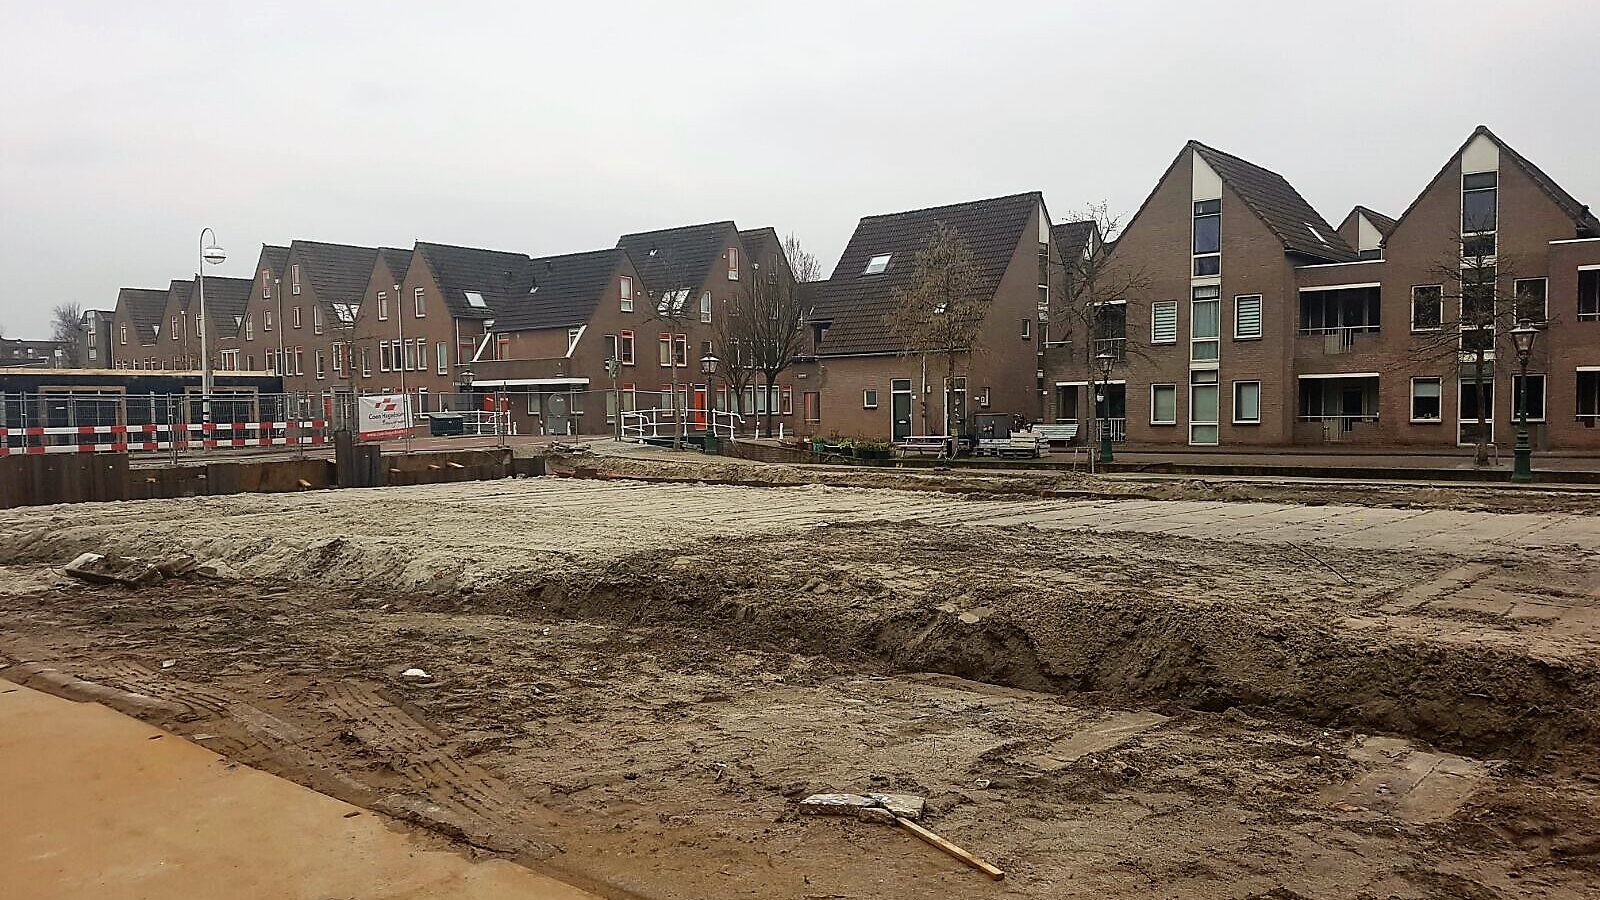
(54,681)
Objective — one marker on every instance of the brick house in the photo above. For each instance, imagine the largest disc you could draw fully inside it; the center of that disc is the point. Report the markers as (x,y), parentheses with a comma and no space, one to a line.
(864,383)
(177,343)
(95,343)
(289,325)
(133,327)
(1262,326)
(255,346)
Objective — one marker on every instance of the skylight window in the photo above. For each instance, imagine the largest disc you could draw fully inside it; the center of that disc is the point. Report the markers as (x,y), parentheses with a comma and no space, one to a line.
(673,301)
(1315,233)
(475,300)
(877,264)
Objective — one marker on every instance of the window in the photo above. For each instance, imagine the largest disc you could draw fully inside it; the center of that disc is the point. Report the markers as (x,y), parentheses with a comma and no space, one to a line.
(294,316)
(1203,407)
(983,397)
(385,360)
(1427,307)
(572,338)
(299,360)
(1479,204)
(316,320)
(680,350)
(266,320)
(322,364)
(1588,295)
(122,333)
(611,346)
(627,293)
(1425,400)
(1531,294)
(876,265)
(366,363)
(1588,402)
(266,285)
(174,331)
(294,278)
(813,406)
(1164,322)
(383,306)
(1247,317)
(666,349)
(1163,404)
(249,329)
(1247,403)
(1027,329)
(1535,398)
(733,265)
(1205,326)
(1207,237)
(869,399)
(418,303)
(338,359)
(625,348)
(1478,289)
(705,307)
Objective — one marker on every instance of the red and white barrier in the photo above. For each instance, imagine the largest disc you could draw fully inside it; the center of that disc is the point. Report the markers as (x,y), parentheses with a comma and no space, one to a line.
(163,437)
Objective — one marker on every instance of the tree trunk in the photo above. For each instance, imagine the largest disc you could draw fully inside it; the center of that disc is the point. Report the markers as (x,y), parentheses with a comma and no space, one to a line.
(1480,456)
(949,397)
(682,429)
(922,398)
(772,378)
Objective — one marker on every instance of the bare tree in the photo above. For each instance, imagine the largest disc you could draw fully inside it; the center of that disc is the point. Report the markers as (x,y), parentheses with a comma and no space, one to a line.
(938,314)
(1085,311)
(765,325)
(66,327)
(1468,316)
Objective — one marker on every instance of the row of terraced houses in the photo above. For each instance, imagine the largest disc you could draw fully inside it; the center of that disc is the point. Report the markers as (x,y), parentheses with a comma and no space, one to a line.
(1250,320)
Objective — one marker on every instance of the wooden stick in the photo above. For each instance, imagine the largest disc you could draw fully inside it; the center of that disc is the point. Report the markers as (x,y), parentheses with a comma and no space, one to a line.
(950,848)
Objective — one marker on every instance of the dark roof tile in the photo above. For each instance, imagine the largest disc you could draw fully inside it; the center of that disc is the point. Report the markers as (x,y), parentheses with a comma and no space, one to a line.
(1276,202)
(856,304)
(501,278)
(144,307)
(1072,237)
(567,289)
(676,258)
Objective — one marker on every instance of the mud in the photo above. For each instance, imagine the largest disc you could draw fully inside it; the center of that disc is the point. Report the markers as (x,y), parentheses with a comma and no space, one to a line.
(634,684)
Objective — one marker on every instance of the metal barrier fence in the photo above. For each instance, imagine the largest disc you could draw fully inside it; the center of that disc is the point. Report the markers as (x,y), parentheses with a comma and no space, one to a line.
(77,422)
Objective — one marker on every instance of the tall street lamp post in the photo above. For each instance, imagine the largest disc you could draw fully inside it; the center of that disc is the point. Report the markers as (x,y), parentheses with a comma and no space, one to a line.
(1106,359)
(214,255)
(613,369)
(1523,337)
(708,368)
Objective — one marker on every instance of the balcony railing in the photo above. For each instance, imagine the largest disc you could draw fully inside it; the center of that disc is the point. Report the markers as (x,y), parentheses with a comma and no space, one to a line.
(1118,347)
(1336,428)
(1339,338)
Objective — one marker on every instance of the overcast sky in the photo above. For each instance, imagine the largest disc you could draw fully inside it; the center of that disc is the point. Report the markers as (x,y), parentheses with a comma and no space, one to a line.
(126,127)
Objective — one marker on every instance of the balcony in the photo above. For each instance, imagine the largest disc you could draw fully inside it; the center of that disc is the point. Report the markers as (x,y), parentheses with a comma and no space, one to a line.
(556,372)
(1333,340)
(1116,346)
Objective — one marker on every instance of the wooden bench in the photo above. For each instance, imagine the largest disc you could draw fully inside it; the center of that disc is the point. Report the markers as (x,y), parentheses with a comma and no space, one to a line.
(1060,433)
(920,444)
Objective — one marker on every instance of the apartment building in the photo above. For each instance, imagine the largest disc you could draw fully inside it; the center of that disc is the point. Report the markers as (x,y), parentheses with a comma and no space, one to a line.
(864,381)
(290,325)
(95,328)
(178,331)
(1259,324)
(23,353)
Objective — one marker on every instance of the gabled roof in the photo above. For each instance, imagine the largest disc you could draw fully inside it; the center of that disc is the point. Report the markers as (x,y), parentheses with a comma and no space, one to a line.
(477,283)
(1278,205)
(567,289)
(144,307)
(396,260)
(273,258)
(856,304)
(1584,222)
(337,272)
(180,293)
(226,299)
(676,258)
(1072,237)
(753,239)
(1383,223)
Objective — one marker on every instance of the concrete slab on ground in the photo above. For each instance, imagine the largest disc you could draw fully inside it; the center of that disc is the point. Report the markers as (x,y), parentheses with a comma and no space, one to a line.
(102,806)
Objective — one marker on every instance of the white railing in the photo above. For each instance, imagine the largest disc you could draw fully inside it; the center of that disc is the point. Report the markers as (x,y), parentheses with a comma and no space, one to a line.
(1118,429)
(1339,338)
(638,424)
(1337,427)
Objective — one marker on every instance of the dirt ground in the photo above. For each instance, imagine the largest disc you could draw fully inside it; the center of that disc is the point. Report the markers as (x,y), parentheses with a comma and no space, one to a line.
(1111,713)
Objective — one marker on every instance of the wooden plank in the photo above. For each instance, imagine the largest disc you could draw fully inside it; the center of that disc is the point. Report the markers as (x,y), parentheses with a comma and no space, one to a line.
(950,848)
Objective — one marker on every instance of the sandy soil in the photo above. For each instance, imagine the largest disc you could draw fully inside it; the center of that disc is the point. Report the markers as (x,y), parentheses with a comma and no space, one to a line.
(1109,713)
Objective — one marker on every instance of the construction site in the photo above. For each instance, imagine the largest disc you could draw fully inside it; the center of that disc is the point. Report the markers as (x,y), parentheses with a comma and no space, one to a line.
(635,674)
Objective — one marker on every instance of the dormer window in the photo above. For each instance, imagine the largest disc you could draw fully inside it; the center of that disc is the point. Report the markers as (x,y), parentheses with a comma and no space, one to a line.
(733,263)
(876,265)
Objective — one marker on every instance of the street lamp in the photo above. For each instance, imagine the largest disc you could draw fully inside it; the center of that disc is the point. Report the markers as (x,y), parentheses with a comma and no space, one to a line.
(613,369)
(708,368)
(209,253)
(1106,359)
(1523,337)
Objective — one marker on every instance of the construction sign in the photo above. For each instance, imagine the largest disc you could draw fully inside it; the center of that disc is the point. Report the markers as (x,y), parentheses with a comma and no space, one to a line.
(383,416)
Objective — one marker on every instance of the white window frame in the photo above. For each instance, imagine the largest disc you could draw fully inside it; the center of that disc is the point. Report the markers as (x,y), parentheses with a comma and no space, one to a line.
(1544,396)
(983,397)
(705,308)
(316,320)
(625,293)
(733,263)
(1027,328)
(1545,314)
(294,278)
(383,306)
(1174,387)
(1235,402)
(321,364)
(1195,340)
(1260,318)
(1411,411)
(1412,313)
(122,333)
(869,398)
(877,264)
(294,316)
(419,302)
